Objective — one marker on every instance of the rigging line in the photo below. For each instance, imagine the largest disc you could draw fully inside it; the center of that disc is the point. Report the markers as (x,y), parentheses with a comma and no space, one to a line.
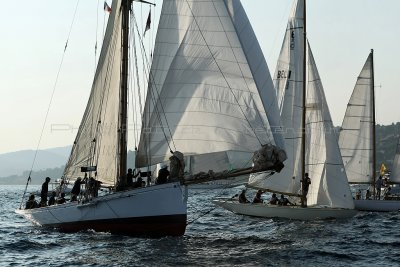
(50,102)
(97,29)
(137,73)
(257,112)
(219,68)
(152,80)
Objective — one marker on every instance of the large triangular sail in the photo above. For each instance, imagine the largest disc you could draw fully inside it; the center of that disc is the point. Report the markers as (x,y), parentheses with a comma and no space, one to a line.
(323,161)
(395,174)
(288,83)
(356,135)
(210,95)
(96,143)
(329,186)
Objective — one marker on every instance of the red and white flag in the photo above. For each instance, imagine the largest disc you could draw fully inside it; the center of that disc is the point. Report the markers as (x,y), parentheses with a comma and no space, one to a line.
(107,8)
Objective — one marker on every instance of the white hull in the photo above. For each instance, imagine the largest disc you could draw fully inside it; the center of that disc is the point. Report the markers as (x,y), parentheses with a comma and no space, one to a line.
(154,211)
(377,205)
(287,212)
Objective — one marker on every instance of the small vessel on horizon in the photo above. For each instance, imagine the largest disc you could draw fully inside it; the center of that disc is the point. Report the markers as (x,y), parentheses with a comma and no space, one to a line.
(357,143)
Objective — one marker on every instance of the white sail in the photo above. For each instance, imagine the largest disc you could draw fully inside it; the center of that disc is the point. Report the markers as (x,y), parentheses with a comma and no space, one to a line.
(329,186)
(355,140)
(395,174)
(288,83)
(210,91)
(323,161)
(96,141)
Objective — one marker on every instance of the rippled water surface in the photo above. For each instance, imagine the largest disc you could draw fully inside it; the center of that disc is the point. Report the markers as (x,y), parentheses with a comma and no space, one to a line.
(218,238)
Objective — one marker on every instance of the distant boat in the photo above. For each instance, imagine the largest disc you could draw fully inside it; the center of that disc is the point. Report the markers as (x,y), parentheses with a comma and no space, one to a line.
(358,143)
(208,93)
(310,140)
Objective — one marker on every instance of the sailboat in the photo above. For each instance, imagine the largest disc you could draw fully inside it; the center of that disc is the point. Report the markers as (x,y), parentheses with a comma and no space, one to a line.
(357,140)
(210,105)
(313,149)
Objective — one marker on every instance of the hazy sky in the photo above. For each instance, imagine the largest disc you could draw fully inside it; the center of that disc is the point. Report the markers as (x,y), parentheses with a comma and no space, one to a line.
(34,33)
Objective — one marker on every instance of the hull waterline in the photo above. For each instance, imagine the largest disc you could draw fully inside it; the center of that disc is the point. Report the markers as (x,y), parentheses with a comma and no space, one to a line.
(286,212)
(377,205)
(151,211)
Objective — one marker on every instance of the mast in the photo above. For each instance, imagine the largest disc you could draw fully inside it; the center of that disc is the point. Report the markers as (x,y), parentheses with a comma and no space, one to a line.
(123,117)
(373,122)
(303,122)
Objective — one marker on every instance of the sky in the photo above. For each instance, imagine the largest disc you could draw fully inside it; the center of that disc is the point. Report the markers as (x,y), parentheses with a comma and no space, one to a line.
(34,33)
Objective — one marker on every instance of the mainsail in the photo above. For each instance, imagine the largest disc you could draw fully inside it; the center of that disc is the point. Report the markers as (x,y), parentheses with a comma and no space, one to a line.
(323,161)
(210,94)
(356,136)
(95,143)
(395,174)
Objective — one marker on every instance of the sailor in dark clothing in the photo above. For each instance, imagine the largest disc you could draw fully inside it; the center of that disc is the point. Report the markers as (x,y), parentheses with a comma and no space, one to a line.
(257,197)
(306,184)
(76,189)
(129,178)
(43,193)
(242,197)
(283,201)
(163,174)
(52,199)
(31,203)
(61,200)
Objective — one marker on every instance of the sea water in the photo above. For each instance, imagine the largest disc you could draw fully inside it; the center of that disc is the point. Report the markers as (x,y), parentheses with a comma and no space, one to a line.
(214,237)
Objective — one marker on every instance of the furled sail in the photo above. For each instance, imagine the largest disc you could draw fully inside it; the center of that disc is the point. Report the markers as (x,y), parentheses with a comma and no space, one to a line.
(395,174)
(288,83)
(96,141)
(323,161)
(210,92)
(355,140)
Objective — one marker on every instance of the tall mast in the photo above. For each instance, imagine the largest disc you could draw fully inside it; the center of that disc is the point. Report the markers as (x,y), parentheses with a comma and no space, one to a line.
(303,122)
(373,122)
(123,117)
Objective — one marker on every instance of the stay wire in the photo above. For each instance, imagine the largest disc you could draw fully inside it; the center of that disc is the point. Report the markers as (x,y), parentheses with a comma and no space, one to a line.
(51,100)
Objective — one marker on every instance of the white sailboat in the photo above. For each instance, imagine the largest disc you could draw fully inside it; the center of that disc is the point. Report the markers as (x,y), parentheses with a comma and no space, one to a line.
(313,150)
(357,140)
(207,96)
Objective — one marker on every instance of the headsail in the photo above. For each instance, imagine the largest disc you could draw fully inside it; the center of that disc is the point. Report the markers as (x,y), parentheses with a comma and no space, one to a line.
(395,174)
(324,163)
(209,92)
(288,83)
(96,142)
(356,136)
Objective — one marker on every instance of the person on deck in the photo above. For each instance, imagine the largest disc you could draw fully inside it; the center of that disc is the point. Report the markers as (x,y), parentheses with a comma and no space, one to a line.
(368,194)
(61,200)
(378,186)
(129,178)
(358,195)
(242,197)
(283,201)
(31,203)
(76,189)
(163,174)
(52,199)
(273,200)
(306,184)
(43,193)
(257,198)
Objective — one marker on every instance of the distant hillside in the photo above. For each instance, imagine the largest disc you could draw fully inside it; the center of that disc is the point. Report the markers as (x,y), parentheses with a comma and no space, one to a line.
(15,163)
(51,161)
(55,173)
